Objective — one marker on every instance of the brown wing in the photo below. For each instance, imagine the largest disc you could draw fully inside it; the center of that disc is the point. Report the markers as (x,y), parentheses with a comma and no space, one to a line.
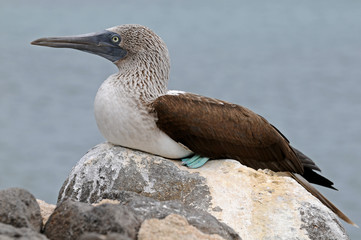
(218,129)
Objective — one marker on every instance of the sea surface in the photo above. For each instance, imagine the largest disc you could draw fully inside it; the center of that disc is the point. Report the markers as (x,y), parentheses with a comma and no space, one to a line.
(297,63)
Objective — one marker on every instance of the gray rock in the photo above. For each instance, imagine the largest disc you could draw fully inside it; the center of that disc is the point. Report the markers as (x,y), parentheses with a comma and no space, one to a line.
(8,232)
(172,227)
(254,203)
(109,236)
(107,168)
(147,208)
(318,226)
(72,219)
(19,208)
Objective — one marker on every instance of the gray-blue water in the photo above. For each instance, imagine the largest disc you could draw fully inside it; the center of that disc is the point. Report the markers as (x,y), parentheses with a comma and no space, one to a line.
(297,63)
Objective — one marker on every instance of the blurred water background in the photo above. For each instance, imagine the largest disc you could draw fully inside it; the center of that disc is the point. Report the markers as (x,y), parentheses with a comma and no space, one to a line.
(297,63)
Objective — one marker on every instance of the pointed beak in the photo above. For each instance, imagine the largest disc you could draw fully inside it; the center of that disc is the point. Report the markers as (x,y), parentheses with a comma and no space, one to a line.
(97,43)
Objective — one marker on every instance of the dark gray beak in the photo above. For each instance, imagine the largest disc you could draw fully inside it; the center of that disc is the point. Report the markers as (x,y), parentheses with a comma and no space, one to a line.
(105,44)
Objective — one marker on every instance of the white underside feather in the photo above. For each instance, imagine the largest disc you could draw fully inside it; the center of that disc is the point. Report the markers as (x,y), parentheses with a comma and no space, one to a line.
(122,120)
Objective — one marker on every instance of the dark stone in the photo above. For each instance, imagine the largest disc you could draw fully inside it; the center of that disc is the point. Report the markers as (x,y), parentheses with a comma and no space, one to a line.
(147,208)
(72,219)
(19,208)
(8,232)
(108,168)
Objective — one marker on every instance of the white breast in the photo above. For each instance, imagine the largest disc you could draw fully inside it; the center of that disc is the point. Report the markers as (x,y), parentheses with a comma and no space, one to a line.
(122,120)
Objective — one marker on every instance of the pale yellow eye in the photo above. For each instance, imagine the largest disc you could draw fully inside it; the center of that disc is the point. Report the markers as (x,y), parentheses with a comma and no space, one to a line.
(115,39)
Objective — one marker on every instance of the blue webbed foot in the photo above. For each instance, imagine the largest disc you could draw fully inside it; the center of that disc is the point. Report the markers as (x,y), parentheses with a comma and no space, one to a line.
(195,162)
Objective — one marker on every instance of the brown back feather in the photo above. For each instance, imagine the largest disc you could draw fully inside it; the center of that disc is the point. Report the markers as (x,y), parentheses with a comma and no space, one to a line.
(217,129)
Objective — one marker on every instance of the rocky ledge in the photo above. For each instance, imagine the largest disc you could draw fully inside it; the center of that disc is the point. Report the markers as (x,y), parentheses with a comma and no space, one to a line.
(119,193)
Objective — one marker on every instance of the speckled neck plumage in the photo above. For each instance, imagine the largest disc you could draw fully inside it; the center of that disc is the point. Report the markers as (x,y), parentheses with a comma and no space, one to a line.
(145,71)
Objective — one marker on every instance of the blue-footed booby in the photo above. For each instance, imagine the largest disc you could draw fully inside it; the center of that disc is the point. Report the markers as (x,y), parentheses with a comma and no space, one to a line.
(134,109)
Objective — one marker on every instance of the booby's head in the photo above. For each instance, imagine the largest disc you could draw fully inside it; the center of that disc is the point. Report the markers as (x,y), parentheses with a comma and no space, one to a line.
(136,50)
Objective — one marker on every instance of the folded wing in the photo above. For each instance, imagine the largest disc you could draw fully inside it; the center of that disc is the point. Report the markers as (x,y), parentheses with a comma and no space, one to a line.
(218,129)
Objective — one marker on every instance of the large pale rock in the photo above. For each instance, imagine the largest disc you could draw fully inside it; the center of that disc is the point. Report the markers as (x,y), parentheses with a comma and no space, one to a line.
(172,227)
(256,204)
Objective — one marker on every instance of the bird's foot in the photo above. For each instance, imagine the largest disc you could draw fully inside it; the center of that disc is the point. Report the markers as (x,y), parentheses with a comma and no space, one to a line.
(194,162)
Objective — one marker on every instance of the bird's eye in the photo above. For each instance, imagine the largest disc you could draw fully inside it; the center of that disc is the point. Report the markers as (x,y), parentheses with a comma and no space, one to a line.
(115,39)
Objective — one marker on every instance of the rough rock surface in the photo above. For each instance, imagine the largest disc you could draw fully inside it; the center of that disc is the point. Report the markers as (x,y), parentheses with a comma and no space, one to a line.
(106,168)
(172,227)
(8,232)
(147,208)
(109,236)
(46,210)
(72,219)
(19,208)
(256,204)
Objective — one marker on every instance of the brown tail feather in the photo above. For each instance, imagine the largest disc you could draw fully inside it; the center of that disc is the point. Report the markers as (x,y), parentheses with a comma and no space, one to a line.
(323,199)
